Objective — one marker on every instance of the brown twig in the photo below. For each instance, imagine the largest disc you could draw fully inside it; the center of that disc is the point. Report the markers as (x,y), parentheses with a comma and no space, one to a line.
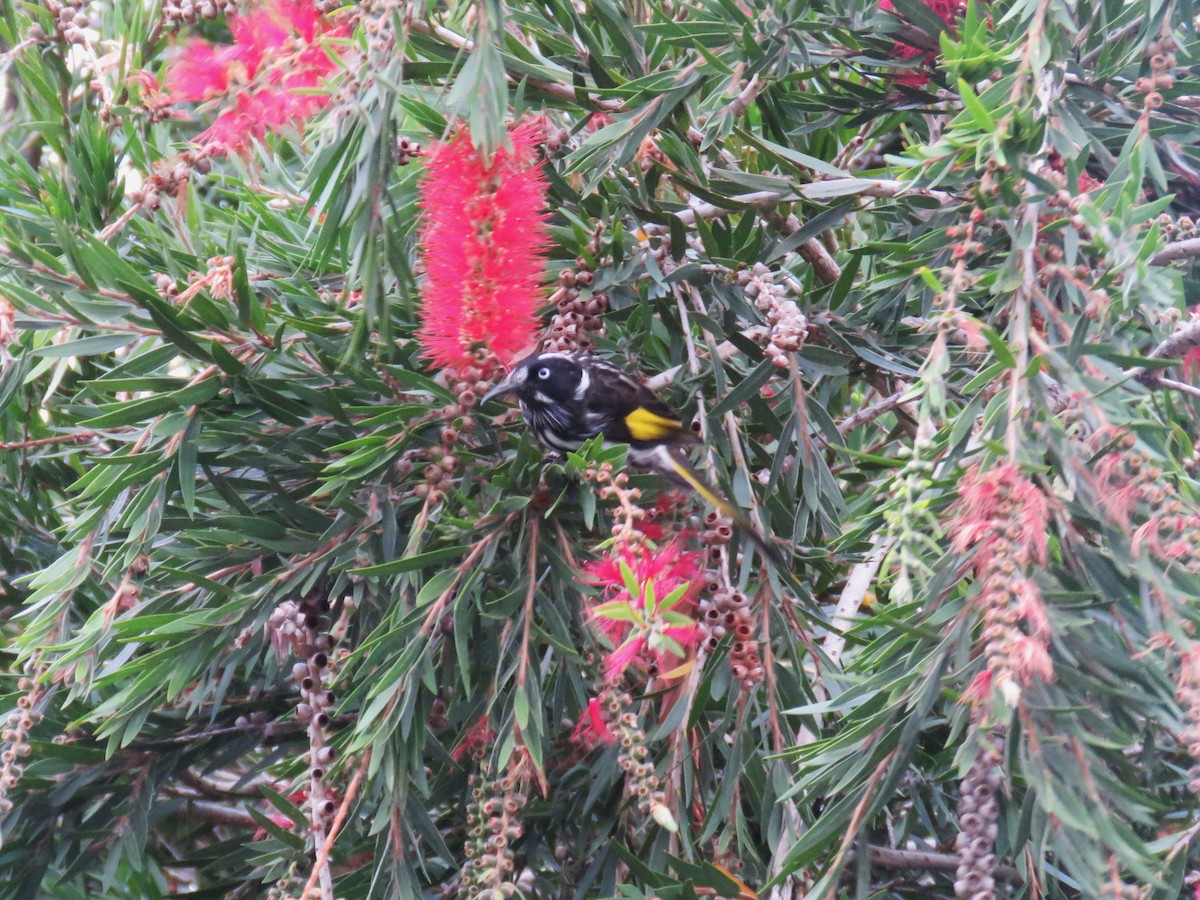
(218,814)
(928,860)
(322,860)
(873,412)
(910,34)
(1176,346)
(214,785)
(63,278)
(1120,34)
(1188,249)
(436,607)
(43,442)
(745,97)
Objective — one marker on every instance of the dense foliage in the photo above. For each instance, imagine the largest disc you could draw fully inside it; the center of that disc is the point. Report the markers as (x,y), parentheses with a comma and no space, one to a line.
(286,612)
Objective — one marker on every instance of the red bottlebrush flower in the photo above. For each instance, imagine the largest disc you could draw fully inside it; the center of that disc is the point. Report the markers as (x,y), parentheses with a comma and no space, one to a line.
(266,76)
(478,738)
(297,797)
(648,596)
(1088,182)
(483,240)
(592,729)
(1191,363)
(948,10)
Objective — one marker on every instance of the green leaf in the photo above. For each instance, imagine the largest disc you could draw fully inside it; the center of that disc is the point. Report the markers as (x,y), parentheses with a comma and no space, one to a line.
(410,563)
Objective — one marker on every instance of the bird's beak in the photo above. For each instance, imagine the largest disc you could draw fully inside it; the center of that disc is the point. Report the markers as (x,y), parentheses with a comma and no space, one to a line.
(504,387)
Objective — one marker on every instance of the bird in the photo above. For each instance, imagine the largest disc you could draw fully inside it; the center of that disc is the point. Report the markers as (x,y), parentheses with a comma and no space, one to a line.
(569,398)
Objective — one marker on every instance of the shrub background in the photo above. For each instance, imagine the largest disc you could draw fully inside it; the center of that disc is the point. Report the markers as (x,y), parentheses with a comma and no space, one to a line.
(218,427)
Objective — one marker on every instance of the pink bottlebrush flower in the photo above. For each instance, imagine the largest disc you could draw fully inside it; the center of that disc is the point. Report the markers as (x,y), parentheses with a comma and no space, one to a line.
(261,32)
(592,730)
(1029,660)
(235,127)
(624,656)
(648,597)
(201,72)
(995,498)
(1002,517)
(665,569)
(266,77)
(483,242)
(979,691)
(1031,609)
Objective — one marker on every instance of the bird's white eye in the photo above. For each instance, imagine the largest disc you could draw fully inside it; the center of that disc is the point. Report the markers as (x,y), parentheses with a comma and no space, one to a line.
(543,373)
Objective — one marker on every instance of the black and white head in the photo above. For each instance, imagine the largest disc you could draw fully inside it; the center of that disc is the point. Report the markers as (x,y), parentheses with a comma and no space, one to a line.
(545,380)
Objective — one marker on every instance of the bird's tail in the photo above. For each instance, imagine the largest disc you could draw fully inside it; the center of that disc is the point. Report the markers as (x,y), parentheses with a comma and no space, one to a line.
(671,463)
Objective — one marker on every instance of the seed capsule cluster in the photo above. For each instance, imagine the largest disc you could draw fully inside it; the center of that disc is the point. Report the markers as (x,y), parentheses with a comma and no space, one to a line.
(309,638)
(70,20)
(718,530)
(1180,229)
(440,462)
(978,815)
(722,611)
(1187,692)
(615,485)
(407,150)
(492,827)
(633,756)
(170,177)
(578,309)
(788,325)
(184,12)
(15,738)
(1161,57)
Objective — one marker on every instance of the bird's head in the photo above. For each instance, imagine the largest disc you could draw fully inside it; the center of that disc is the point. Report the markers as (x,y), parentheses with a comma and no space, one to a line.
(544,379)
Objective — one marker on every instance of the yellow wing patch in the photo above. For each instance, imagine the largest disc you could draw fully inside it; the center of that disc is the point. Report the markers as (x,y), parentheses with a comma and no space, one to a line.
(644,425)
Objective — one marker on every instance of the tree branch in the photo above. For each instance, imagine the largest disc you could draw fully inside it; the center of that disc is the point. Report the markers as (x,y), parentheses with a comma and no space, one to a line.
(1120,34)
(77,437)
(889,858)
(1188,249)
(852,598)
(910,34)
(872,412)
(1174,347)
(219,814)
